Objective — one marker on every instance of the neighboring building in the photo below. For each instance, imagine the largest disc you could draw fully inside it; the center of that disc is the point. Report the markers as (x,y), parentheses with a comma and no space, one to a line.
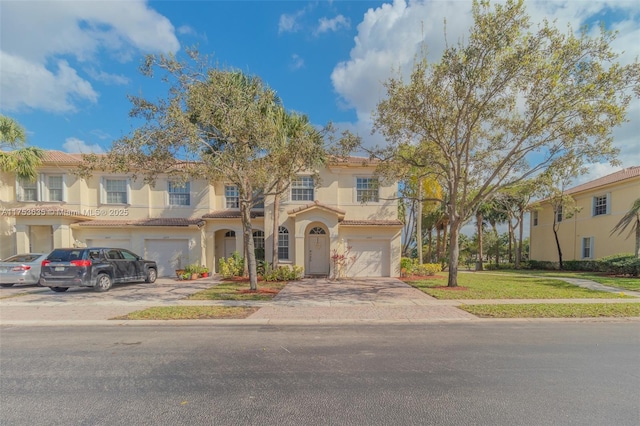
(177,223)
(586,235)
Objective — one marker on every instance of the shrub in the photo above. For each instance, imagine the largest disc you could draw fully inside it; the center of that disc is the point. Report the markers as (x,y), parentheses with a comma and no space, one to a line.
(284,273)
(543,265)
(620,264)
(581,265)
(427,269)
(232,266)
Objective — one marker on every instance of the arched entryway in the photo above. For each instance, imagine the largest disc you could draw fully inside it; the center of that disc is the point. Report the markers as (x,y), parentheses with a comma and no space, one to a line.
(317,250)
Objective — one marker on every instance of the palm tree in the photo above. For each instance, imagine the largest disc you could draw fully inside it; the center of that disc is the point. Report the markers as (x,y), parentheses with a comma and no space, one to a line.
(15,156)
(630,219)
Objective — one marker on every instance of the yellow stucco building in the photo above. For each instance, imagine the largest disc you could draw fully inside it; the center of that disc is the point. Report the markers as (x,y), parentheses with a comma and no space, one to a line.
(586,235)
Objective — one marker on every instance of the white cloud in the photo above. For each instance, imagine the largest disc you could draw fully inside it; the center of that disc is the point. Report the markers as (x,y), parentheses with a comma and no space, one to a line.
(296,62)
(325,24)
(107,78)
(75,145)
(288,23)
(62,32)
(390,36)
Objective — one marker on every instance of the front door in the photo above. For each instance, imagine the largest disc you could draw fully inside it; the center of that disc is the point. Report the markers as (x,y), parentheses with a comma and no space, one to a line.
(317,252)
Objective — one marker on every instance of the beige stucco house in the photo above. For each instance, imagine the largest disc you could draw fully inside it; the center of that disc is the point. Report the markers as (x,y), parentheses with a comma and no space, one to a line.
(199,222)
(586,235)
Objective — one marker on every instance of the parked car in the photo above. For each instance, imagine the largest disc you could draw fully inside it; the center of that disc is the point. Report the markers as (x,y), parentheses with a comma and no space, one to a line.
(21,269)
(97,267)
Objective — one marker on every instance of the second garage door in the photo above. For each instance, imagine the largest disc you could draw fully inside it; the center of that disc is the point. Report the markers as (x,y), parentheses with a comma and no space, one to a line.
(371,258)
(168,254)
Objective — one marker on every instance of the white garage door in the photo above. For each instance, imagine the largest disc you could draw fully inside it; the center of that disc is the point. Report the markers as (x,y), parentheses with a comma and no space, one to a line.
(109,242)
(371,258)
(168,254)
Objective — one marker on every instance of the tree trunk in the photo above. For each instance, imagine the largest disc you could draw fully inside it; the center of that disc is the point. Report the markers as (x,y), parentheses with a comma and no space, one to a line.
(555,234)
(419,223)
(497,237)
(430,246)
(444,242)
(437,243)
(519,246)
(250,259)
(454,253)
(276,227)
(511,238)
(479,266)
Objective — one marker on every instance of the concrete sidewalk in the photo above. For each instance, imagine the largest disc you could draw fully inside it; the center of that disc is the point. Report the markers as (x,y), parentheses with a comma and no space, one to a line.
(313,300)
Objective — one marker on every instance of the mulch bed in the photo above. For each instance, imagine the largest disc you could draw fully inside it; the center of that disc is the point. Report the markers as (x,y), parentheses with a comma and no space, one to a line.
(421,278)
(260,291)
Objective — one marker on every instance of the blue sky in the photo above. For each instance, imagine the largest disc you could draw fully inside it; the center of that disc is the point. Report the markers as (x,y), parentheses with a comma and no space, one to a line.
(66,67)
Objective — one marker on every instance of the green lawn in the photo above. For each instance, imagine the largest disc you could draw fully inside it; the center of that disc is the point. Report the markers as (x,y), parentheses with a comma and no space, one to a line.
(627,283)
(189,312)
(560,310)
(506,286)
(239,291)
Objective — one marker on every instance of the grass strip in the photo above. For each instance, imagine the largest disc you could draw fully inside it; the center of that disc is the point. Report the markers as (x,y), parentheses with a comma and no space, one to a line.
(227,290)
(189,312)
(496,286)
(558,310)
(627,283)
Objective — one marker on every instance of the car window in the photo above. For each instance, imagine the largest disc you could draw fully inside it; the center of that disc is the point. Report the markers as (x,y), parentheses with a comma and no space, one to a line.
(22,258)
(114,254)
(65,255)
(128,255)
(94,254)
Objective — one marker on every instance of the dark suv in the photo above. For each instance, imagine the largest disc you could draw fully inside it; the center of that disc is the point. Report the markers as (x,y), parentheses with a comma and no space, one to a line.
(96,267)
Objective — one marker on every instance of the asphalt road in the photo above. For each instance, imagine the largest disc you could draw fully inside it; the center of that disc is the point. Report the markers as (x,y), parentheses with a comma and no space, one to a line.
(508,373)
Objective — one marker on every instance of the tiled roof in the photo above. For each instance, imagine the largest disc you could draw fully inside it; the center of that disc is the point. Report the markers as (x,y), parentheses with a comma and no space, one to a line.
(365,222)
(230,214)
(159,221)
(315,204)
(59,157)
(624,174)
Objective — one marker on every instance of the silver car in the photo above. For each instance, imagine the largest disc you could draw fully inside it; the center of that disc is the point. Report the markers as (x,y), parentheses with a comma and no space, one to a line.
(21,269)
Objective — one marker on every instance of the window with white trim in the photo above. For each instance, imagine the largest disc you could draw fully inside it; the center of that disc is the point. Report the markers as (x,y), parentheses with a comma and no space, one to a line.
(116,191)
(232,196)
(366,189)
(55,187)
(302,188)
(587,248)
(258,239)
(258,200)
(601,205)
(535,218)
(283,243)
(559,214)
(27,190)
(179,193)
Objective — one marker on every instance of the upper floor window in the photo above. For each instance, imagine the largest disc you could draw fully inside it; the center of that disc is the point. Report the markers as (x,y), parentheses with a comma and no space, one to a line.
(283,243)
(116,191)
(302,188)
(559,214)
(232,196)
(45,188)
(179,193)
(535,218)
(601,205)
(258,200)
(366,189)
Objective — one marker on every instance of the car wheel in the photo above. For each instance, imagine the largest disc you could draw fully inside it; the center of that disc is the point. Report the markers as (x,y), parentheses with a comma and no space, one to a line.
(59,289)
(6,285)
(103,283)
(151,276)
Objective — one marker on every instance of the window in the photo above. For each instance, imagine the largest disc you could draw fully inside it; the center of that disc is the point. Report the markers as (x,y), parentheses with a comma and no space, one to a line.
(317,231)
(366,189)
(535,218)
(587,248)
(302,188)
(258,200)
(600,205)
(258,239)
(283,243)
(559,214)
(232,196)
(179,193)
(55,187)
(28,190)
(116,191)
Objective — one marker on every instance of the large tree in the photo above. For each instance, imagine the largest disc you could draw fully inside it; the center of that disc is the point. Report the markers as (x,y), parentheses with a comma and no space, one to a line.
(15,156)
(215,124)
(506,103)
